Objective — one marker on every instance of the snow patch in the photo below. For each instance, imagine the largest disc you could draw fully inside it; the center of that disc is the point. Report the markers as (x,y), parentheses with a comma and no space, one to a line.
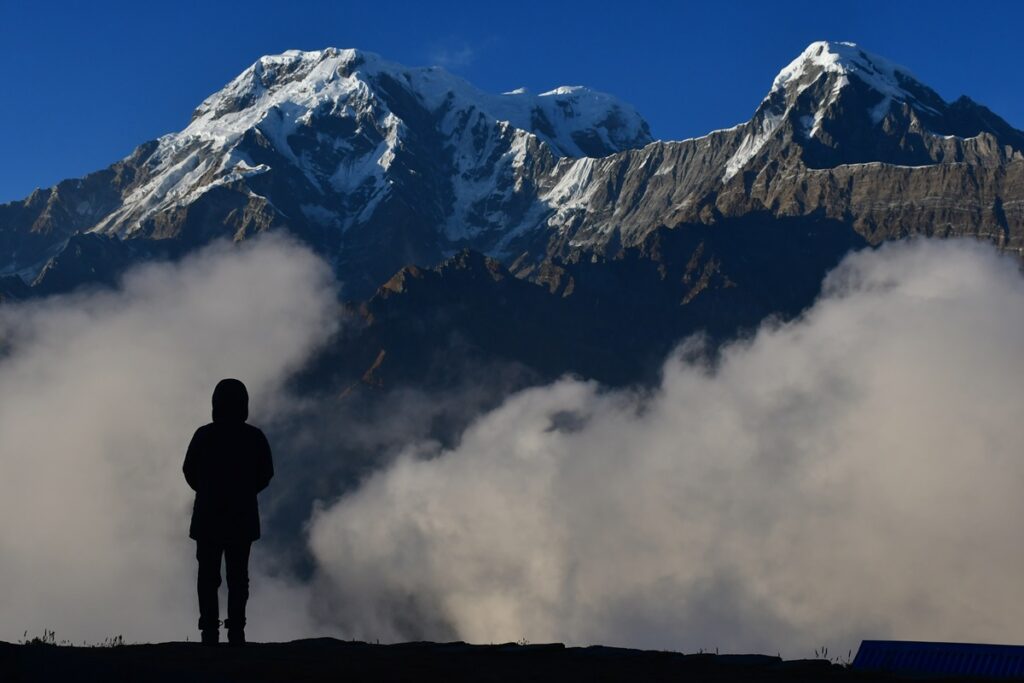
(807,125)
(280,99)
(847,59)
(752,144)
(879,111)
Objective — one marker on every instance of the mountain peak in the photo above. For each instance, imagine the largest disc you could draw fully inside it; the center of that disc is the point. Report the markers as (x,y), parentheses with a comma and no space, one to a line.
(333,139)
(344,54)
(840,104)
(844,58)
(573,120)
(841,61)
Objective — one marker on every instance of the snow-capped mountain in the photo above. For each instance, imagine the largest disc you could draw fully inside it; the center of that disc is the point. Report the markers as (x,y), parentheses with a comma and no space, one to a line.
(378,165)
(852,106)
(353,153)
(346,119)
(842,134)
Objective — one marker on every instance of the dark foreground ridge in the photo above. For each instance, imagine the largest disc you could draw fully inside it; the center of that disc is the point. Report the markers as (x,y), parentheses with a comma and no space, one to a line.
(327,659)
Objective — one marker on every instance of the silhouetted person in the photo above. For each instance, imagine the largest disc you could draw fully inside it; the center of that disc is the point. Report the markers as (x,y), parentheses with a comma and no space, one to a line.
(228,462)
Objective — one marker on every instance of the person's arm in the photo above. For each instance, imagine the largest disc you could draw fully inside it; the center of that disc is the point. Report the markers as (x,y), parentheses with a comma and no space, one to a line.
(264,463)
(191,466)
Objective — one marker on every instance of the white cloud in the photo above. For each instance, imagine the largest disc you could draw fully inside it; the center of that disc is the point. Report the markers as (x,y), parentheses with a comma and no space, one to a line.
(856,473)
(453,57)
(99,396)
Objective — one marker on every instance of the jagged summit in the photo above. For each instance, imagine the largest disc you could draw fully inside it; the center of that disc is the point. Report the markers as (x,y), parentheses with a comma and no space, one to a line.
(894,82)
(378,165)
(841,61)
(574,120)
(838,104)
(347,131)
(836,57)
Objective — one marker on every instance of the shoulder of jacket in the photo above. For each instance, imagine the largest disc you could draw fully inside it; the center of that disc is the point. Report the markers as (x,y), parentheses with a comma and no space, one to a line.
(205,429)
(257,435)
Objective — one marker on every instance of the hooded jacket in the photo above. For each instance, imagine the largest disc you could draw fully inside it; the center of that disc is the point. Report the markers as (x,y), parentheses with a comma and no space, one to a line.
(227,463)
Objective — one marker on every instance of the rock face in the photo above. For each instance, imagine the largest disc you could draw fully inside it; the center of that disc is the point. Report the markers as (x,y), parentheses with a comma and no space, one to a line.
(596,232)
(374,164)
(611,320)
(13,288)
(842,134)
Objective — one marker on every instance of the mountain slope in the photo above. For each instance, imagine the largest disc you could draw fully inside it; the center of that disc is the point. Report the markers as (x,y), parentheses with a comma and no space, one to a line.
(378,166)
(373,163)
(842,134)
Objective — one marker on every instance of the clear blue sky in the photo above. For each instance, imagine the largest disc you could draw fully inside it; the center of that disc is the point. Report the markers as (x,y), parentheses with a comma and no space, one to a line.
(84,82)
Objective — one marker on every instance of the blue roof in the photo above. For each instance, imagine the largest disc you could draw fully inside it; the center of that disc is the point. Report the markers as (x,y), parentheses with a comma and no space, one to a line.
(941,659)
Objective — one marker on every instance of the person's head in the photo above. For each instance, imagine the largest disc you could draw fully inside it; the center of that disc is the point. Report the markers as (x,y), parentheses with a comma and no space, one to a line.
(230,401)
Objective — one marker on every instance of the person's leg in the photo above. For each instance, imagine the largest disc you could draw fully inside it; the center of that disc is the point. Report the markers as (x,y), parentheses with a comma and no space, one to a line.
(209,556)
(236,558)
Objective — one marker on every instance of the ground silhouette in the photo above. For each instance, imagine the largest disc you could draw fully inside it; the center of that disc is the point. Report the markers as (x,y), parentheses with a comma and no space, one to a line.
(327,659)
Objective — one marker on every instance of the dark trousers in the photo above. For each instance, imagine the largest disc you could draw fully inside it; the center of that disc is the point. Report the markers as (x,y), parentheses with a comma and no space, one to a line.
(236,559)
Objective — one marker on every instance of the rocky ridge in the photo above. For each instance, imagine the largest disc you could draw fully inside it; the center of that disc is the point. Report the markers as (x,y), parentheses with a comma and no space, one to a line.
(582,233)
(374,164)
(842,134)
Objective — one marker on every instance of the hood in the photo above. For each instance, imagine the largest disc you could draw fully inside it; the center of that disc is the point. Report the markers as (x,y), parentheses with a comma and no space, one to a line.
(230,401)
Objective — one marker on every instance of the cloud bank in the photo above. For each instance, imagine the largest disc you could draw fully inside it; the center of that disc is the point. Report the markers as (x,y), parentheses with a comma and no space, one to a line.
(99,396)
(854,473)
